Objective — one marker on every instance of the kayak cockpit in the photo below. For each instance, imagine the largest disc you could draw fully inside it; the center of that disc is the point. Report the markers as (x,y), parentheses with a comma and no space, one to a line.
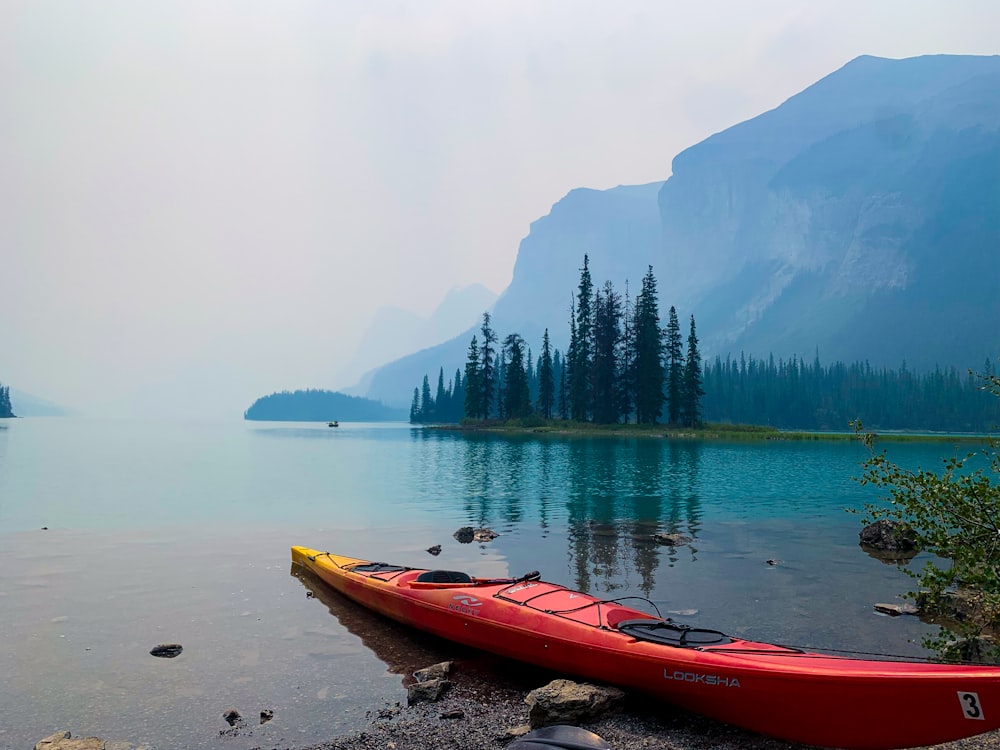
(669,633)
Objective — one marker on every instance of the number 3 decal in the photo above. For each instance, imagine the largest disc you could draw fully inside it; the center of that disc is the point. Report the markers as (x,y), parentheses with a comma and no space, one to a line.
(970,705)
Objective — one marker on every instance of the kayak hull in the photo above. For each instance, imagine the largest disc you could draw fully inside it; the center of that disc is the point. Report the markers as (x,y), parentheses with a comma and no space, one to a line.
(785,693)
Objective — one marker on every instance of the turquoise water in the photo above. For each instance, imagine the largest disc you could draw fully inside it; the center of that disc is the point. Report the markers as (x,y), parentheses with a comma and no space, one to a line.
(179,532)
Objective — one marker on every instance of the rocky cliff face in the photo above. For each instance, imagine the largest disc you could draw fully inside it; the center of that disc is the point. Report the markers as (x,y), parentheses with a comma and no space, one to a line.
(861,218)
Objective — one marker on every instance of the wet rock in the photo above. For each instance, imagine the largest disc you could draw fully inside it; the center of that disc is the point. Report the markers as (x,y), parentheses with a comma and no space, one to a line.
(896,609)
(64,741)
(434,672)
(266,715)
(232,717)
(568,702)
(428,691)
(435,550)
(772,561)
(455,713)
(886,535)
(671,539)
(468,534)
(981,649)
(167,650)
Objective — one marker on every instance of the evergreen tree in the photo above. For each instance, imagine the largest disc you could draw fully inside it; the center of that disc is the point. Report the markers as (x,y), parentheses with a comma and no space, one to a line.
(415,407)
(606,364)
(563,401)
(426,402)
(692,391)
(457,399)
(441,399)
(546,384)
(626,378)
(487,368)
(517,400)
(500,368)
(473,388)
(675,367)
(6,408)
(532,374)
(580,390)
(649,371)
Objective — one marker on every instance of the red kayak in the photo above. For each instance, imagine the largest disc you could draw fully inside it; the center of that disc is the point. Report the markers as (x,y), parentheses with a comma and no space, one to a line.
(779,691)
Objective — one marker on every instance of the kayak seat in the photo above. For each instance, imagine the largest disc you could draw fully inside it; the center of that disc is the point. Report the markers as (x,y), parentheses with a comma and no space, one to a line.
(672,634)
(444,576)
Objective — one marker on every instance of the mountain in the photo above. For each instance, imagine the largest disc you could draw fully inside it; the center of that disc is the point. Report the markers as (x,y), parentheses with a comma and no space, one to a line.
(860,219)
(395,332)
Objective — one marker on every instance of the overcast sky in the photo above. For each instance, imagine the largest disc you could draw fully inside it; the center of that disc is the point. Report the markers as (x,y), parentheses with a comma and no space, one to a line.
(204,202)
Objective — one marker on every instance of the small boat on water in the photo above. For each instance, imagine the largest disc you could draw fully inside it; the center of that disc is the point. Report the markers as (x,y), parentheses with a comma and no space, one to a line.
(780,691)
(333,424)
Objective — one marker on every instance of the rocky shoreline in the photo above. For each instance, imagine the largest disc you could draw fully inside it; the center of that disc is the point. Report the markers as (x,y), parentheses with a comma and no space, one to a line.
(480,713)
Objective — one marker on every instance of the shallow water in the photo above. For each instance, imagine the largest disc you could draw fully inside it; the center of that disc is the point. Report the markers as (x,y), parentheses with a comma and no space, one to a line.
(180,532)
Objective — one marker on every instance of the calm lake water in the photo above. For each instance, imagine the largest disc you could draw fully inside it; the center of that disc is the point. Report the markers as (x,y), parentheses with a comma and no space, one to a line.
(163,532)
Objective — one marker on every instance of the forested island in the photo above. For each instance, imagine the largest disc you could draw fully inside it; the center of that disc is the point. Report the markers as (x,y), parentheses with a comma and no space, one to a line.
(320,406)
(623,367)
(6,410)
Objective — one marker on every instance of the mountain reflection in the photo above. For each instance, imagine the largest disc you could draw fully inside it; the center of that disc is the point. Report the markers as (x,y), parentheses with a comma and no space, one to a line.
(613,497)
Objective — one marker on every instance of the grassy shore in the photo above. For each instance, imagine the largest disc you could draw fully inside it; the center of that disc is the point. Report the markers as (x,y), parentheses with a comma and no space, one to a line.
(708,431)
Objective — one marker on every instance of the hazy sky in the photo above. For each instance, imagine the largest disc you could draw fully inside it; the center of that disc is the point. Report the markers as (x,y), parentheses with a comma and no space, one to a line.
(203,202)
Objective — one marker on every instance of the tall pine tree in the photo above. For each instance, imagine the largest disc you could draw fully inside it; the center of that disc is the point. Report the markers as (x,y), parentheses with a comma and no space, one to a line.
(649,371)
(487,368)
(473,388)
(675,367)
(517,401)
(606,365)
(546,383)
(692,390)
(579,376)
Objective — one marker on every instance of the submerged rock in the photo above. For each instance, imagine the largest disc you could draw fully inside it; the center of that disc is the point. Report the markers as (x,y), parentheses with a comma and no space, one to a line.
(896,609)
(671,539)
(887,535)
(468,534)
(64,741)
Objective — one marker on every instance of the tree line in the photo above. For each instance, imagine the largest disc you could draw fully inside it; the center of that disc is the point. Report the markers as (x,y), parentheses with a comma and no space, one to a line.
(621,365)
(6,410)
(807,395)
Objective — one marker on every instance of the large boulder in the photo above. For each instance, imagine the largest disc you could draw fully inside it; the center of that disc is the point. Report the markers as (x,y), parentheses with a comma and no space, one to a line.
(568,702)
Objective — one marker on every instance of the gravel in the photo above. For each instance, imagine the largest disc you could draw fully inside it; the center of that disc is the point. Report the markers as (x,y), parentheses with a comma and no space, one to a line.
(476,714)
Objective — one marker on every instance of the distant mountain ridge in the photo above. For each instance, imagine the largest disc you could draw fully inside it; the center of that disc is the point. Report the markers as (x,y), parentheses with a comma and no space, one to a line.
(860,219)
(395,332)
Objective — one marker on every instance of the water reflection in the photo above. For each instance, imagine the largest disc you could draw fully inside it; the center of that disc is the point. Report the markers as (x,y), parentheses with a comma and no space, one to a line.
(611,497)
(404,649)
